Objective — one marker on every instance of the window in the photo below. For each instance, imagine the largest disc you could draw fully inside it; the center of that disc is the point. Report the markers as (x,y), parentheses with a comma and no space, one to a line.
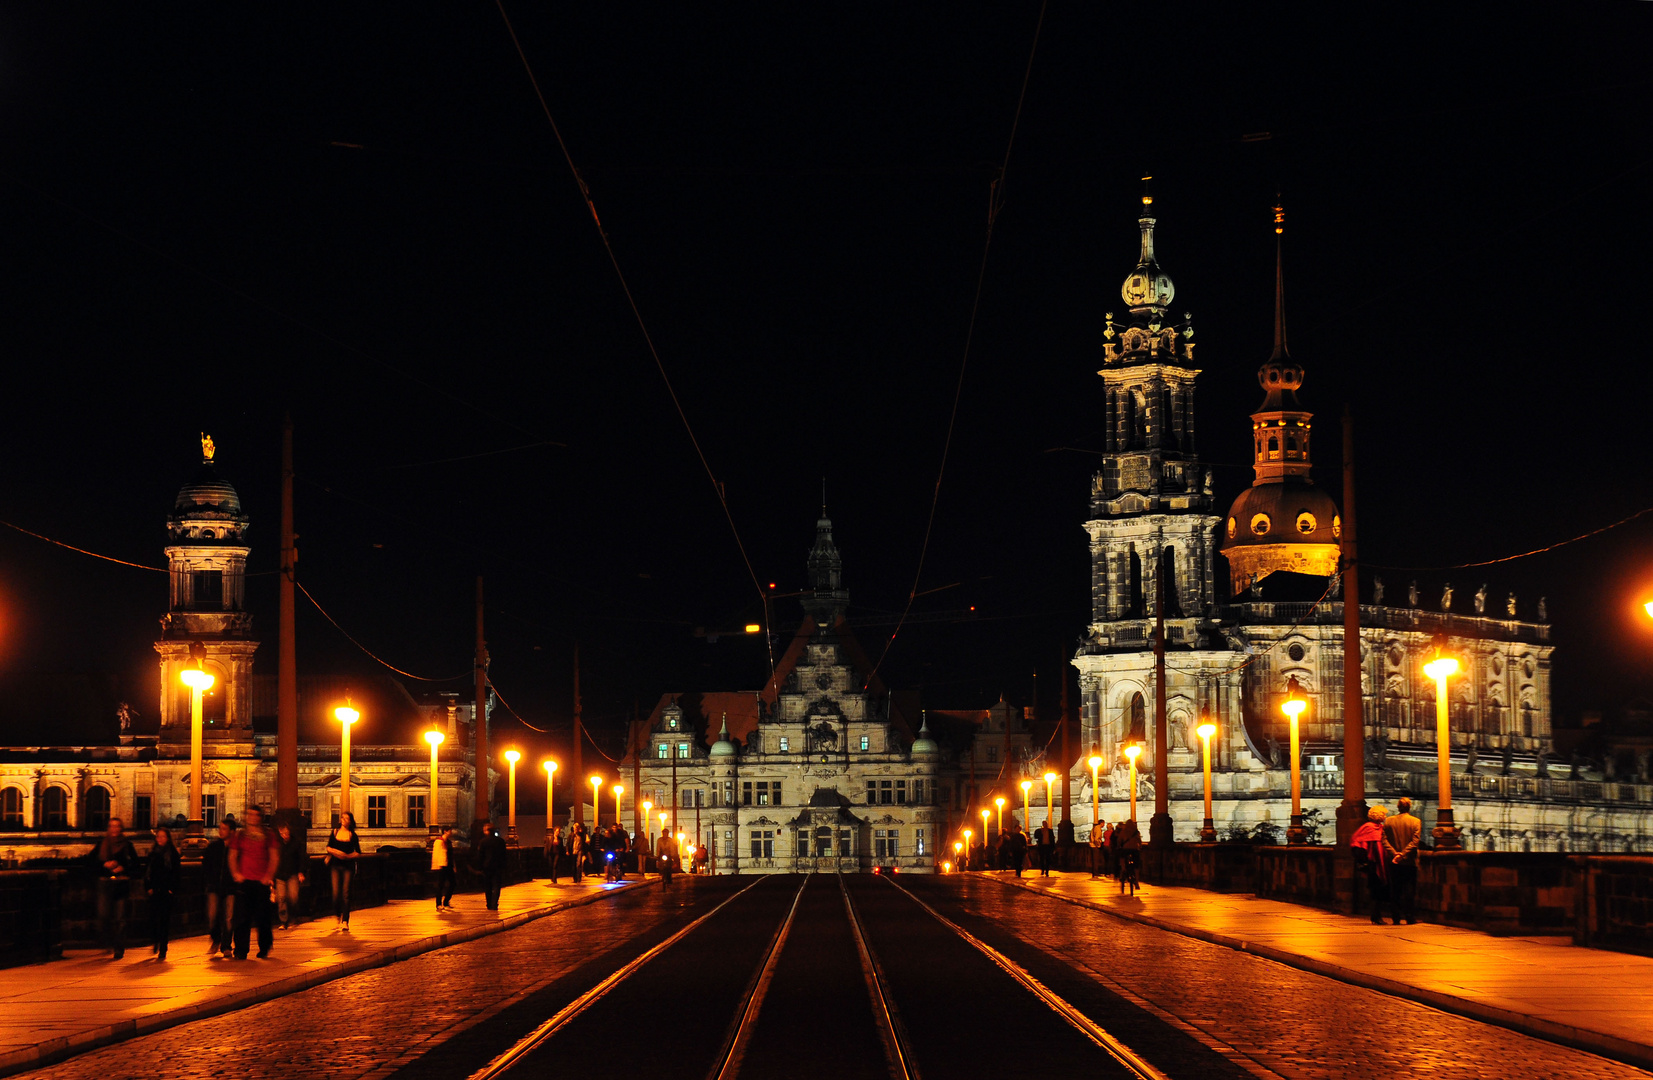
(682,749)
(746,793)
(11,808)
(918,841)
(823,843)
(687,797)
(775,790)
(885,792)
(661,751)
(901,792)
(700,796)
(865,743)
(209,810)
(843,842)
(97,808)
(992,753)
(763,844)
(307,809)
(416,811)
(886,843)
(800,843)
(784,745)
(918,792)
(207,588)
(728,842)
(728,793)
(671,722)
(143,812)
(377,811)
(54,808)
(763,793)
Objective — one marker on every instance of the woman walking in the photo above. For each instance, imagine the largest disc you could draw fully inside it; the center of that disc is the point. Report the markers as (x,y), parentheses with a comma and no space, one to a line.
(215,870)
(160,879)
(343,849)
(290,868)
(553,851)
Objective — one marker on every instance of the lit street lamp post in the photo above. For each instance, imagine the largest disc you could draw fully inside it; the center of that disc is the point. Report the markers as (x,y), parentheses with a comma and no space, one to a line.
(199,682)
(1131,752)
(999,802)
(1027,811)
(511,757)
(345,716)
(550,794)
(1293,708)
(1095,763)
(985,814)
(596,810)
(648,825)
(1208,832)
(967,853)
(618,789)
(435,738)
(1050,810)
(1446,833)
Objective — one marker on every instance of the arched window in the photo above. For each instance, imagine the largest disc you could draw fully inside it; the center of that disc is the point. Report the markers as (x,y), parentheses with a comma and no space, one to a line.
(214,703)
(1133,595)
(1136,719)
(1168,572)
(1128,423)
(54,808)
(1274,448)
(97,808)
(1291,446)
(11,808)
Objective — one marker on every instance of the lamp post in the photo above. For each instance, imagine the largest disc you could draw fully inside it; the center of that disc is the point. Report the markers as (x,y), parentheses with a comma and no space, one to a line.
(596,783)
(1447,835)
(648,825)
(1208,832)
(511,757)
(435,738)
(985,814)
(1293,708)
(550,793)
(346,716)
(967,835)
(619,789)
(1027,811)
(663,817)
(1095,763)
(1131,752)
(958,849)
(999,802)
(199,682)
(1050,811)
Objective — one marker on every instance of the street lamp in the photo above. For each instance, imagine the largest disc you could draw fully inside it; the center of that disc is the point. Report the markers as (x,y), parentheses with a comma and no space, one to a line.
(435,738)
(967,835)
(648,824)
(663,817)
(1027,813)
(1050,813)
(1293,708)
(199,682)
(999,802)
(619,789)
(596,783)
(985,814)
(511,757)
(1446,834)
(1095,763)
(550,793)
(346,716)
(1131,752)
(1208,833)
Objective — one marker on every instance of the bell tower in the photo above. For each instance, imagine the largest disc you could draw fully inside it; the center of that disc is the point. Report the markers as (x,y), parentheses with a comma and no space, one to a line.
(206,620)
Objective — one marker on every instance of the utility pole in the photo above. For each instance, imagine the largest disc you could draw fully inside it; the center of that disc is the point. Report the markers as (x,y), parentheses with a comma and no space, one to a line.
(1064,829)
(636,778)
(1352,813)
(1159,826)
(484,789)
(577,811)
(287,660)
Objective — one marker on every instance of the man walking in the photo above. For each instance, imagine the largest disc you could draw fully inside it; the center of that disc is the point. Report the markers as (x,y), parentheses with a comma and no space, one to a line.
(116,859)
(215,872)
(1401,833)
(490,862)
(441,860)
(255,853)
(1046,841)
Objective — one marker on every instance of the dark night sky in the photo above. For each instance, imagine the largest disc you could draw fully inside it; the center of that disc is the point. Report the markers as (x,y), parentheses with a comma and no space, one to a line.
(799,202)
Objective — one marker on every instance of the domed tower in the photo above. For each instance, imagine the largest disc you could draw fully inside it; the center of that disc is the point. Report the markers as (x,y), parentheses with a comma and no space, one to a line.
(1281,522)
(206,621)
(827,599)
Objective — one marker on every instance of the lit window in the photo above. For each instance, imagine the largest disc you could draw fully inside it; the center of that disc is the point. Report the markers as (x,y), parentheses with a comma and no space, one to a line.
(672,723)
(784,746)
(1260,524)
(660,751)
(918,841)
(865,743)
(763,793)
(1306,523)
(682,749)
(377,811)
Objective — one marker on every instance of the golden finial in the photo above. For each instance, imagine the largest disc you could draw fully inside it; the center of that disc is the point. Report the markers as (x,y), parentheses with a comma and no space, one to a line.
(1147,197)
(1279,218)
(207,449)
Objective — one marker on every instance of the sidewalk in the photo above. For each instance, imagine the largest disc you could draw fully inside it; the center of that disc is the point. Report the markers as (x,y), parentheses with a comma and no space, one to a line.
(1542,986)
(55,1010)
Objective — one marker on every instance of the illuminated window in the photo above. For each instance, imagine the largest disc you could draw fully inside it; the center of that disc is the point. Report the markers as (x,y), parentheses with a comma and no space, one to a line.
(682,749)
(1231,528)
(865,743)
(763,793)
(918,841)
(1260,524)
(1306,523)
(784,746)
(660,751)
(209,810)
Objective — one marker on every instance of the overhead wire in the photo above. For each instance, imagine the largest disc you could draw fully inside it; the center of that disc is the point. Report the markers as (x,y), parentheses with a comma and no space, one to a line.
(83,551)
(995,203)
(642,326)
(1524,554)
(351,638)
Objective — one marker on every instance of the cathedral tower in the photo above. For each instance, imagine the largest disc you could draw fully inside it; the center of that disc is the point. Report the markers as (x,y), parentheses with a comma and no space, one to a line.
(206,620)
(1281,522)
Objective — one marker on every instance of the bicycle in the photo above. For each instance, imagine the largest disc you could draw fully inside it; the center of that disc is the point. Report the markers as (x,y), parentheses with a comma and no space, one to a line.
(1129,862)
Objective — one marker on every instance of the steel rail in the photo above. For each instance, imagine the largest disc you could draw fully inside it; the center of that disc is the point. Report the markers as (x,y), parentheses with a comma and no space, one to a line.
(1060,1005)
(726,1066)
(891,1032)
(573,1009)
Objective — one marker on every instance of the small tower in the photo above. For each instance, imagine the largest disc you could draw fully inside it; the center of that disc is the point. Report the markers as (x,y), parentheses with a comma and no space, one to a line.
(827,599)
(1282,522)
(206,620)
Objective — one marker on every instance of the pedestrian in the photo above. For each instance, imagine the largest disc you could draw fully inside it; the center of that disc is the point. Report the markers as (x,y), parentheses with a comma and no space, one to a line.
(620,850)
(490,863)
(1096,841)
(343,851)
(667,858)
(1018,849)
(576,850)
(220,886)
(553,841)
(291,869)
(160,879)
(1129,839)
(1112,839)
(1366,845)
(255,853)
(441,860)
(1046,846)
(1401,833)
(115,859)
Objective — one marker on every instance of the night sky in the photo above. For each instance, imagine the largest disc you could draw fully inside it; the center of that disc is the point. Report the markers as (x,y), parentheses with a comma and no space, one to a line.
(213,214)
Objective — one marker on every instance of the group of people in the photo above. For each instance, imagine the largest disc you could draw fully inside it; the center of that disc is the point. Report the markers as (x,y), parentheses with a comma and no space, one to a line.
(1115,847)
(1385,848)
(606,849)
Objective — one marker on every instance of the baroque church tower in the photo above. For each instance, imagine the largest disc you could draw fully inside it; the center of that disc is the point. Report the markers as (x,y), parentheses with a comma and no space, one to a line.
(206,621)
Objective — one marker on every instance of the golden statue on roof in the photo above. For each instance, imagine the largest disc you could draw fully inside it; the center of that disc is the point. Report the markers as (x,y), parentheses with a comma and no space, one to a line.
(207,449)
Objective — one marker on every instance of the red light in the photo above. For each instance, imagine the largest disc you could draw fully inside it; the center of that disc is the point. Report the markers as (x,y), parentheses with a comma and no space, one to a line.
(972,607)
(895,869)
(876,870)
(771,584)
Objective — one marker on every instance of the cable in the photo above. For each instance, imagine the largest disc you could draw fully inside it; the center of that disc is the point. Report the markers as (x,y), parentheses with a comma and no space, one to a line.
(648,339)
(495,688)
(1330,583)
(1524,554)
(995,203)
(420,678)
(83,551)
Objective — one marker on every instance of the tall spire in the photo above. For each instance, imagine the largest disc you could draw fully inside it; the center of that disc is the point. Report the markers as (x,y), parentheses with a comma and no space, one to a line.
(1147,290)
(1280,350)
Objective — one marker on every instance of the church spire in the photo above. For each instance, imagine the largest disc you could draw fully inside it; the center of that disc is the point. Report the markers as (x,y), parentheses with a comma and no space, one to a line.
(1280,350)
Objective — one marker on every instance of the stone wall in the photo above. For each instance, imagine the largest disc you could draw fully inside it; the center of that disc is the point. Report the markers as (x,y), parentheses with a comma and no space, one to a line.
(30,916)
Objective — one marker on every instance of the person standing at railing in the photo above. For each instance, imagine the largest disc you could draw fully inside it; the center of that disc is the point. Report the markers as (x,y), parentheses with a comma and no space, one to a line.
(1366,845)
(290,874)
(1096,849)
(1401,833)
(1046,846)
(491,857)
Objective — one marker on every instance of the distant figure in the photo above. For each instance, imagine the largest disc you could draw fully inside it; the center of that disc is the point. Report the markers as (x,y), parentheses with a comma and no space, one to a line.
(1129,839)
(1377,590)
(574,842)
(343,850)
(1543,609)
(1018,849)
(290,874)
(115,859)
(254,855)
(441,860)
(1412,595)
(1367,847)
(1401,833)
(667,858)
(1481,599)
(1096,841)
(1509,605)
(160,879)
(490,863)
(215,872)
(1446,598)
(553,851)
(1045,840)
